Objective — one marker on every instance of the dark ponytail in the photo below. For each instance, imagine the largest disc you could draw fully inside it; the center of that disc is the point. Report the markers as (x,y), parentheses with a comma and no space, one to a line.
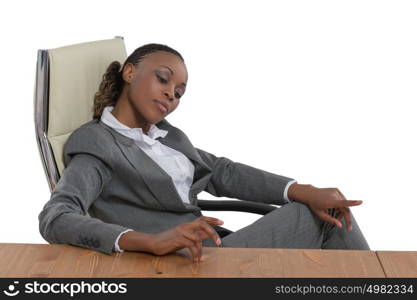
(109,89)
(112,83)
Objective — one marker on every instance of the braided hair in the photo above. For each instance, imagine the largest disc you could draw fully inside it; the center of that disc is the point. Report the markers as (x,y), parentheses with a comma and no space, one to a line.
(112,83)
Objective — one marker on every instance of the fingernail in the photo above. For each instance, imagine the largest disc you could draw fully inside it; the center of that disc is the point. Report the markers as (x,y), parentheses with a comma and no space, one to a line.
(218,241)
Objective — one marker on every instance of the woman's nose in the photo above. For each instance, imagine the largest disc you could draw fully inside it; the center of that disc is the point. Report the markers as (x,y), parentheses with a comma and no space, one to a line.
(169,95)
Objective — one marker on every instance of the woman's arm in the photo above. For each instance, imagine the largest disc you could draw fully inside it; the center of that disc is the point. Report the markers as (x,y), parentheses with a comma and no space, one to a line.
(187,235)
(237,180)
(64,218)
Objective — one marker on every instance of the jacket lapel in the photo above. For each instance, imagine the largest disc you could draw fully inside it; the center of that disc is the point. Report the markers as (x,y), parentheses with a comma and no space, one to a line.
(177,140)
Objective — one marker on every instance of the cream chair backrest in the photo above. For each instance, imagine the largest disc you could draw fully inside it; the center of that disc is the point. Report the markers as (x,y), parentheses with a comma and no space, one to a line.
(67,79)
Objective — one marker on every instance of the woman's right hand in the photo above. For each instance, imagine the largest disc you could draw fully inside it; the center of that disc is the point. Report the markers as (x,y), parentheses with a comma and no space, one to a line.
(188,235)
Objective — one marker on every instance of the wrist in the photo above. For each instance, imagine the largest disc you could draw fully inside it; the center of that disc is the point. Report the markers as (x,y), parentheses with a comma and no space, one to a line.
(136,241)
(299,192)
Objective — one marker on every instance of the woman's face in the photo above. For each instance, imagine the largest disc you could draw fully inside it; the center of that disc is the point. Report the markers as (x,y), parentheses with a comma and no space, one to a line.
(155,86)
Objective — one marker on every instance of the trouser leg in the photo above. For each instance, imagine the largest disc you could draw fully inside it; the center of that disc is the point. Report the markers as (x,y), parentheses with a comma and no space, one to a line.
(295,226)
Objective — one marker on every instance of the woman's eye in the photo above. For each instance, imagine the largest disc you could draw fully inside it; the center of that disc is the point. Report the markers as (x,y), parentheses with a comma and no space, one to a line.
(163,80)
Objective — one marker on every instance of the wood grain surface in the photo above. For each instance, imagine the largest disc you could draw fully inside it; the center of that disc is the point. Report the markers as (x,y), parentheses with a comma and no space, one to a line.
(398,263)
(44,260)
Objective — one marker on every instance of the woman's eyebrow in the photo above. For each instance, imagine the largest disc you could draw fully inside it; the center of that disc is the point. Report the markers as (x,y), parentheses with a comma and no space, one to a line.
(172,72)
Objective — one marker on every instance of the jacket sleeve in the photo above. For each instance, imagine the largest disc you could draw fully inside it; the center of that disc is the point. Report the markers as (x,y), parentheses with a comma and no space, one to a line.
(237,180)
(64,218)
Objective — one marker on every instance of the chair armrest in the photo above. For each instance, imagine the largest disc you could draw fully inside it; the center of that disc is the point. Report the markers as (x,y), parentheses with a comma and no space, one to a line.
(232,205)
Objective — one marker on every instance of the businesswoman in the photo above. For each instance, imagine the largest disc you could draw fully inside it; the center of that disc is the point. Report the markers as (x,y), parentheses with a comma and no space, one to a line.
(131,179)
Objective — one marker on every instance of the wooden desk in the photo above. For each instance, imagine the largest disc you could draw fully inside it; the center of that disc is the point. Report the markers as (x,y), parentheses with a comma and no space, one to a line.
(398,263)
(43,260)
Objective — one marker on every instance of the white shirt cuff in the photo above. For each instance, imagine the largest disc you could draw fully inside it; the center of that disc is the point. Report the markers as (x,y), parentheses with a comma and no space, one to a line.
(286,190)
(116,243)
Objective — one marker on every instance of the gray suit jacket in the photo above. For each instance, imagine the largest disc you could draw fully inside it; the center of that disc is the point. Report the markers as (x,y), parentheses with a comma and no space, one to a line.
(109,185)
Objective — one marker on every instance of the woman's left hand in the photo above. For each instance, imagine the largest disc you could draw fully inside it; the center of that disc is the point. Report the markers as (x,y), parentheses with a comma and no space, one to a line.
(320,200)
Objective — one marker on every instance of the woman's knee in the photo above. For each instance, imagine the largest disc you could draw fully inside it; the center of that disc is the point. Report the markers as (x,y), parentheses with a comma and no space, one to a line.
(302,209)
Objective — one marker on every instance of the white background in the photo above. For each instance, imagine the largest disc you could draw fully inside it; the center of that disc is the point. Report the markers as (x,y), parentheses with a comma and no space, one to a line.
(320,91)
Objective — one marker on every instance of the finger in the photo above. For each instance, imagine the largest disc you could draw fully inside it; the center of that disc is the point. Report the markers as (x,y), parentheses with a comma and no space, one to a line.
(202,235)
(346,214)
(199,246)
(345,203)
(326,217)
(191,247)
(194,253)
(348,219)
(202,225)
(190,234)
(342,197)
(212,221)
(339,215)
(195,238)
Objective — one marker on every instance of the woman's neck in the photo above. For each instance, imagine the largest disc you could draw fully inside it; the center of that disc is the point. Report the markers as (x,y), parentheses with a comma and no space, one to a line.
(126,115)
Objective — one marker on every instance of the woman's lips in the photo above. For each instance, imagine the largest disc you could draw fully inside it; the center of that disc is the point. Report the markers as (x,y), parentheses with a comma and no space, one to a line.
(161,106)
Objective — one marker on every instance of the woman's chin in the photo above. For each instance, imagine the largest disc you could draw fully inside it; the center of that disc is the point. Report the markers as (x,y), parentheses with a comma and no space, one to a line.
(154,119)
(159,116)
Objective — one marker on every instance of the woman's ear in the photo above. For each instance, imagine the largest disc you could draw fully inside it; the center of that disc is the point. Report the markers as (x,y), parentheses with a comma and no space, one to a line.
(128,72)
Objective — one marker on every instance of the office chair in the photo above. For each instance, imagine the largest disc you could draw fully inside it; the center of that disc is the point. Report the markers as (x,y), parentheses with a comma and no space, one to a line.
(66,80)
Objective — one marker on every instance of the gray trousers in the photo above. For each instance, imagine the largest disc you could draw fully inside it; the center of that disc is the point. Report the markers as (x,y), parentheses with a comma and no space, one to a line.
(295,226)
